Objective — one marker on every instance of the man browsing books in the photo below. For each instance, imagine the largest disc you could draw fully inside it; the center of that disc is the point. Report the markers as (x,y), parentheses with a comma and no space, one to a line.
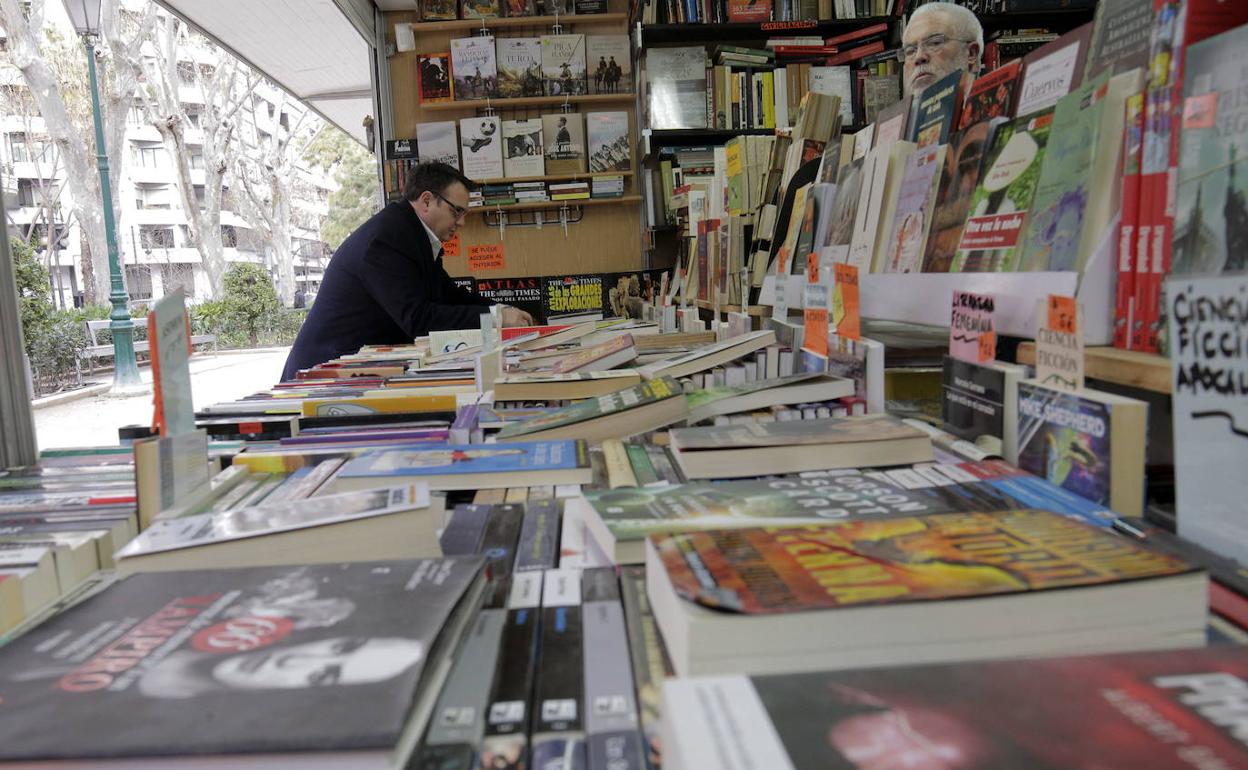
(941,38)
(386,284)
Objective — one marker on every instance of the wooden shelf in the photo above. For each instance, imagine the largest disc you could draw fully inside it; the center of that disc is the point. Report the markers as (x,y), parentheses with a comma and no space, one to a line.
(554,178)
(558,204)
(528,101)
(684,33)
(1123,367)
(423,27)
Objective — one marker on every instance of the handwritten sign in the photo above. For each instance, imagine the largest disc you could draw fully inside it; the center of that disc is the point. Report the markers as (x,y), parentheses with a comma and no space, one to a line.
(846,315)
(486,256)
(450,249)
(971,319)
(1059,354)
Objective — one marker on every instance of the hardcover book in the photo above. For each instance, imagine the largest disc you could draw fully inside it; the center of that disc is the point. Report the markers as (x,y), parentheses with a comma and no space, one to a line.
(564,136)
(676,78)
(474,65)
(519,66)
(1091,443)
(438,142)
(1003,195)
(812,721)
(563,65)
(840,594)
(348,654)
(433,72)
(481,143)
(522,148)
(609,146)
(471,466)
(609,64)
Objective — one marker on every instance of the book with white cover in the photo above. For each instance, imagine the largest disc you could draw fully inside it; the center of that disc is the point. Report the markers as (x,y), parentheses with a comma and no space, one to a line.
(481,142)
(708,357)
(437,142)
(522,148)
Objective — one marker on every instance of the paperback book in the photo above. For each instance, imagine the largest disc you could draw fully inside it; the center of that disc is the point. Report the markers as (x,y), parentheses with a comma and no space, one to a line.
(433,71)
(564,136)
(609,63)
(519,67)
(471,466)
(475,68)
(609,146)
(563,65)
(438,142)
(481,148)
(676,78)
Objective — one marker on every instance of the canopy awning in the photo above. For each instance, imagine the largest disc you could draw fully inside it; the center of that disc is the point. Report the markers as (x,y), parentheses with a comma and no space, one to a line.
(318,50)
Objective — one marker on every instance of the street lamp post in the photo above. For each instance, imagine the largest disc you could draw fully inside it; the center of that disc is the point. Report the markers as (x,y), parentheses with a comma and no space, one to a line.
(85,15)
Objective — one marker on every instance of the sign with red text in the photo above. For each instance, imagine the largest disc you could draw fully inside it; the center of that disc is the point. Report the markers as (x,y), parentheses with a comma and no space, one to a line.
(971,320)
(486,256)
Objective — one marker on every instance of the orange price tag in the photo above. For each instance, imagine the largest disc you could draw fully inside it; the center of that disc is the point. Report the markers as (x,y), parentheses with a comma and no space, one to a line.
(1063,314)
(486,256)
(987,346)
(845,307)
(812,267)
(783,259)
(451,248)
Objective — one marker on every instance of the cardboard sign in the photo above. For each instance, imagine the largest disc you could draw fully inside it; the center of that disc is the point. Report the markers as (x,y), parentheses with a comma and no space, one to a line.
(815,315)
(1059,351)
(972,317)
(846,315)
(173,413)
(450,249)
(486,256)
(780,310)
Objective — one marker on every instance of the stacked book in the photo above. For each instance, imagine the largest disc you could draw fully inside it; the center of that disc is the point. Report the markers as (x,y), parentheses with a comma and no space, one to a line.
(568,191)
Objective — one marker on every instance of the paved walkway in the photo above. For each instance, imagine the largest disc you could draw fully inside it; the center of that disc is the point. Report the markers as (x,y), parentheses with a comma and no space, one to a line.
(94,419)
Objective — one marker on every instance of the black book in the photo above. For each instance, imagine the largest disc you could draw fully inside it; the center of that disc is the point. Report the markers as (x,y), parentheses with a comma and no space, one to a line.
(647,656)
(464,532)
(189,668)
(499,548)
(505,744)
(558,698)
(539,537)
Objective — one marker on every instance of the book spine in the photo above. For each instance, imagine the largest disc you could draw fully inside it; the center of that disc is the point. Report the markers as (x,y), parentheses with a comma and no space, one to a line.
(508,717)
(498,545)
(612,726)
(648,659)
(559,696)
(643,469)
(539,536)
(619,470)
(1124,298)
(463,533)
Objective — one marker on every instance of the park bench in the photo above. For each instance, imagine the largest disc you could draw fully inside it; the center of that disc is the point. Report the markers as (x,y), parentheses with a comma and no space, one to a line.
(96,351)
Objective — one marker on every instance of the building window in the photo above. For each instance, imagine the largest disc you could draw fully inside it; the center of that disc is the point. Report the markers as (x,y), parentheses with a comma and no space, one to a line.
(186,73)
(154,237)
(25,192)
(139,282)
(179,276)
(193,115)
(197,160)
(147,157)
(18,150)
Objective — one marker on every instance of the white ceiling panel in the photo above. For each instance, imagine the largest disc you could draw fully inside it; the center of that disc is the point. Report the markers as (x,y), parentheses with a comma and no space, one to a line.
(309,47)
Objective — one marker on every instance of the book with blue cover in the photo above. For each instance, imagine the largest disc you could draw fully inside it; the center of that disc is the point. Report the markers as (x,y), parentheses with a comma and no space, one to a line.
(470,466)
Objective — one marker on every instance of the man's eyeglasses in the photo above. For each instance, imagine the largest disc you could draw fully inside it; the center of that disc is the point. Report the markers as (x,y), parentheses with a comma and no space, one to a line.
(458,211)
(930,45)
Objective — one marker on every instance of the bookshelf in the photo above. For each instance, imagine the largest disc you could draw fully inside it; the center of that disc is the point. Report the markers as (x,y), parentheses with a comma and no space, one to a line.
(1133,368)
(648,34)
(1060,20)
(604,235)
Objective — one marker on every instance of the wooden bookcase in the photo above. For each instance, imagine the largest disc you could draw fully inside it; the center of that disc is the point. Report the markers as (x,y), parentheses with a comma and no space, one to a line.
(603,235)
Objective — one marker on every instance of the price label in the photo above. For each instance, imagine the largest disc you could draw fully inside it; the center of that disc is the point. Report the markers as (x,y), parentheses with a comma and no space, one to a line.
(782,258)
(987,347)
(450,249)
(1063,314)
(846,315)
(812,267)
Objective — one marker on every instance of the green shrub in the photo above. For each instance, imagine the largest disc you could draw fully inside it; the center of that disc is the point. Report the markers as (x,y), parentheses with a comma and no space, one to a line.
(249,315)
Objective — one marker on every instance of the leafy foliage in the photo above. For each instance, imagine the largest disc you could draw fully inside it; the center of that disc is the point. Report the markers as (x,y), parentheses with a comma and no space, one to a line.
(250,314)
(355,171)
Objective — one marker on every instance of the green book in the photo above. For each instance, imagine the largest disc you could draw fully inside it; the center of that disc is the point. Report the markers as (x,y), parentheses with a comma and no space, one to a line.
(643,469)
(651,405)
(761,394)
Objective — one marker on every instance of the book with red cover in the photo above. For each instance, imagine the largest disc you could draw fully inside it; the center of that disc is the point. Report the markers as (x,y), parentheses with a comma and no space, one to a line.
(1124,292)
(511,332)
(857,34)
(749,10)
(587,358)
(991,95)
(854,54)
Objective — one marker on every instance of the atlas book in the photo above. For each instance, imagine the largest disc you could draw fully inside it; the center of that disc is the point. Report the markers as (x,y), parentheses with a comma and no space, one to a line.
(897,591)
(470,466)
(1106,708)
(433,72)
(474,65)
(645,407)
(385,625)
(438,142)
(519,67)
(563,65)
(1090,442)
(608,64)
(564,136)
(734,451)
(609,146)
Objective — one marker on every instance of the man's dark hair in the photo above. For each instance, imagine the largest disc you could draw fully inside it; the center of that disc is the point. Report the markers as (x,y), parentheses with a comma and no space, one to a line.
(434,177)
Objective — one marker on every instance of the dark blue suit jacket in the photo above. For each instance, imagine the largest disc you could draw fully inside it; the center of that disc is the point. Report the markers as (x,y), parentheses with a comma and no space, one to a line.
(384,286)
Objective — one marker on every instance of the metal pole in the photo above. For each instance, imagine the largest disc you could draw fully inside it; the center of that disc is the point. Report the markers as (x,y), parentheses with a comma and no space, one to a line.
(125,370)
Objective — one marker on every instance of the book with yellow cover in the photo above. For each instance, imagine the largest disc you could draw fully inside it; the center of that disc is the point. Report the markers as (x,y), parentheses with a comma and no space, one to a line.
(378,403)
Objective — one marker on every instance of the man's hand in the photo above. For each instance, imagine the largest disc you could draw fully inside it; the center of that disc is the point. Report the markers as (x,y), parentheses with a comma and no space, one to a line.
(514,316)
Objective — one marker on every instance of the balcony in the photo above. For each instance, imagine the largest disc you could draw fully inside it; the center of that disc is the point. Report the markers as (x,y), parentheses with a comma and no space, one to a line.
(29,169)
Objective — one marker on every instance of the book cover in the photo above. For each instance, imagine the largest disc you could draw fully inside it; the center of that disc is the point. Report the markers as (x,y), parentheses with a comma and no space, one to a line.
(958,180)
(467,458)
(1050,240)
(648,392)
(650,663)
(522,148)
(611,718)
(558,737)
(516,8)
(609,145)
(564,136)
(340,651)
(498,546)
(1120,37)
(462,534)
(433,73)
(438,142)
(978,403)
(1003,195)
(474,66)
(913,217)
(591,358)
(991,95)
(1212,208)
(930,557)
(589,6)
(438,10)
(539,537)
(479,9)
(481,143)
(1152,709)
(845,206)
(519,66)
(749,10)
(1052,71)
(609,62)
(834,81)
(867,428)
(507,720)
(676,78)
(563,65)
